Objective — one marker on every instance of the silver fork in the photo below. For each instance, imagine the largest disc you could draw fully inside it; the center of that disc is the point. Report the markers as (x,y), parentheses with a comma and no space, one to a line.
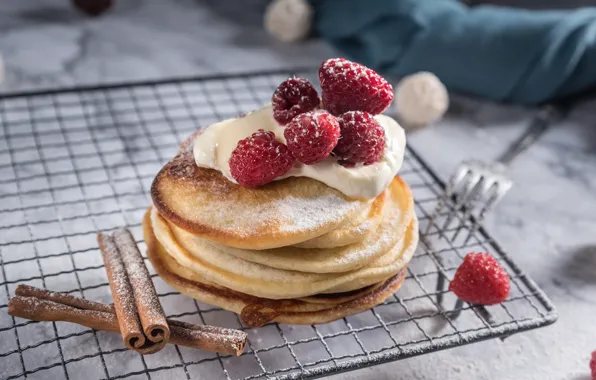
(477,187)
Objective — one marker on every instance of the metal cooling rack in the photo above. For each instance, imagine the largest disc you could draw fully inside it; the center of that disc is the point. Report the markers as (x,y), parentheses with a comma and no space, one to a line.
(75,162)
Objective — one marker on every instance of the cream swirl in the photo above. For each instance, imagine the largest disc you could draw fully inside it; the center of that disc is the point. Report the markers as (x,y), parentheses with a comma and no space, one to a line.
(213,149)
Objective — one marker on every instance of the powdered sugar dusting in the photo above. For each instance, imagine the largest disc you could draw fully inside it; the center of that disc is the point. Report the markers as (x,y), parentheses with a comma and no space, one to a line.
(291,214)
(306,214)
(341,67)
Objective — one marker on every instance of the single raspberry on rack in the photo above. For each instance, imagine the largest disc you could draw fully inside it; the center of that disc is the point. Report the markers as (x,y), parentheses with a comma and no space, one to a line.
(480,280)
(259,159)
(350,86)
(293,97)
(312,136)
(593,365)
(362,139)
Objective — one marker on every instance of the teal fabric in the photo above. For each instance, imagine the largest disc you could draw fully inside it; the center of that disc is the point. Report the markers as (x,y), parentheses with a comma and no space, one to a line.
(499,53)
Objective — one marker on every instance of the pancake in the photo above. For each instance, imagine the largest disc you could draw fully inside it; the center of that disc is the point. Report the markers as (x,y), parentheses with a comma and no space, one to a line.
(355,230)
(273,283)
(255,311)
(316,302)
(397,216)
(339,298)
(281,213)
(219,266)
(256,315)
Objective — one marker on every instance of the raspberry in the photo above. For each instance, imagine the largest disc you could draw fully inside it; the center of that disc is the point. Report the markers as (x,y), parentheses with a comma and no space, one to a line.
(362,139)
(260,158)
(293,97)
(480,280)
(312,136)
(349,86)
(593,365)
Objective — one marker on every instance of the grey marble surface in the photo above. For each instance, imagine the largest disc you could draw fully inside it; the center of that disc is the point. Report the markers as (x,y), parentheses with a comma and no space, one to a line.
(547,222)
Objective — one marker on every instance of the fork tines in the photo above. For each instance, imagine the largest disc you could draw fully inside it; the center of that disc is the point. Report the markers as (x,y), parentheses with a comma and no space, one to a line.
(471,192)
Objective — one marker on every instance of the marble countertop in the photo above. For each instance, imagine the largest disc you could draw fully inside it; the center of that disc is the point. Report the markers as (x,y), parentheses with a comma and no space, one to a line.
(547,221)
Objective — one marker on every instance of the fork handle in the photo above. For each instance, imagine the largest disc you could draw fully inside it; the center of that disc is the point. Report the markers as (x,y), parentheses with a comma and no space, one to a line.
(544,119)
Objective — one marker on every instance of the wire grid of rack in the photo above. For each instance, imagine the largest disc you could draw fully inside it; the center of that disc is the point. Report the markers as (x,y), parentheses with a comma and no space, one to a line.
(75,162)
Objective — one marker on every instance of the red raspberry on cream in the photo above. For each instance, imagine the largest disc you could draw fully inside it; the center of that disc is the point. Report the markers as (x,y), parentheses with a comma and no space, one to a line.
(312,136)
(259,159)
(362,139)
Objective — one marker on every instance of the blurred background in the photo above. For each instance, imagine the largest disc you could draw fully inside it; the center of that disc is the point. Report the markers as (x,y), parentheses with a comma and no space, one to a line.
(50,43)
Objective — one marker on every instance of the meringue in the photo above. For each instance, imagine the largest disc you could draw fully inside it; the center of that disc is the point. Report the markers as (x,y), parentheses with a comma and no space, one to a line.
(421,99)
(289,20)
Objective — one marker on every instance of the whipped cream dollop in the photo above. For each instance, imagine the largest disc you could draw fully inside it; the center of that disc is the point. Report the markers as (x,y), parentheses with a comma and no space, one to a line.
(213,149)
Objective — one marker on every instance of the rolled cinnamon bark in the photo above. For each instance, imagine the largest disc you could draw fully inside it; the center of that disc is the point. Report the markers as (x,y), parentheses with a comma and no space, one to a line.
(152,317)
(43,310)
(211,338)
(63,298)
(122,293)
(43,305)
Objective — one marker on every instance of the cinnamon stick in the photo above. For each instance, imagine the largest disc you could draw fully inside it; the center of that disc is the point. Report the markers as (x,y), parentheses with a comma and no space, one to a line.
(43,305)
(211,338)
(63,298)
(42,310)
(153,319)
(122,293)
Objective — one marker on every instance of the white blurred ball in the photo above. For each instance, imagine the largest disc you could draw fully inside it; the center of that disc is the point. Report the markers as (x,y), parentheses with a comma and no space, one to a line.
(421,99)
(289,20)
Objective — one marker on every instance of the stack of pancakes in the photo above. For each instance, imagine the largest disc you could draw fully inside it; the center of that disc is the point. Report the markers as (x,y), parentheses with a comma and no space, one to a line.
(293,251)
